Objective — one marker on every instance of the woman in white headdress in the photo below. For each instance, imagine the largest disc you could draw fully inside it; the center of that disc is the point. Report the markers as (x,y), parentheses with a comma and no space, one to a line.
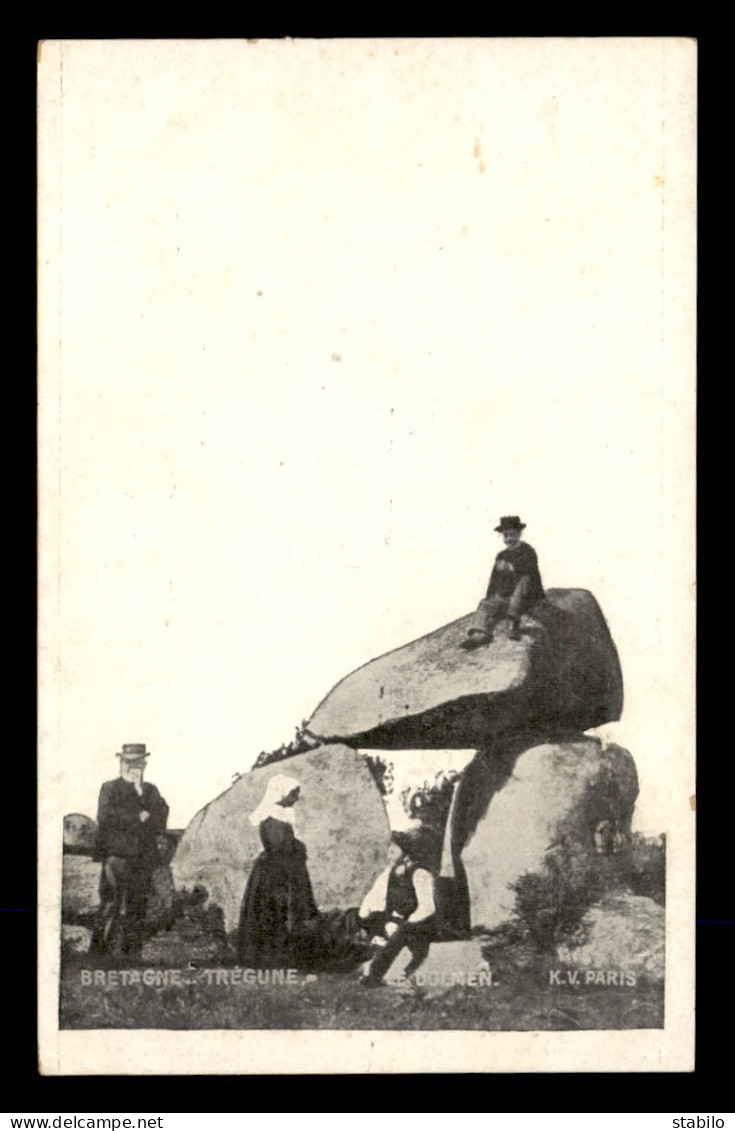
(278,902)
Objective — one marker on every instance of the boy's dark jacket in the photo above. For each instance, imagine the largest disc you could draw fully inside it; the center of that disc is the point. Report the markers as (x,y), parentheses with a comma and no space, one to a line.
(510,566)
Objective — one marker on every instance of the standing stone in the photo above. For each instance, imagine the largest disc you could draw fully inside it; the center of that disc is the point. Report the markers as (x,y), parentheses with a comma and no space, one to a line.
(80,834)
(553,794)
(622,933)
(75,939)
(340,817)
(563,673)
(80,886)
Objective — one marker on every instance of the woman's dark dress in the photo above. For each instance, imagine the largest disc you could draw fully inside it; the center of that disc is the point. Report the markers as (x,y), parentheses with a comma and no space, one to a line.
(278,902)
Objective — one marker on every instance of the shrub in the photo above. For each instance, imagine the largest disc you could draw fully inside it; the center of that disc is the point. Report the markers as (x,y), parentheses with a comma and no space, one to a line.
(648,867)
(382,772)
(430,802)
(302,742)
(552,902)
(196,933)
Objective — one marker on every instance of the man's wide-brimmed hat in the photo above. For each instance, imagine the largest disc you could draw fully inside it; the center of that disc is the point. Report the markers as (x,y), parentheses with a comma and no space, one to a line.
(133,752)
(510,522)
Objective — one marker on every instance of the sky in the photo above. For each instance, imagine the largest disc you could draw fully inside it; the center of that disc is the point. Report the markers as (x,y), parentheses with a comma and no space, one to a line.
(317,314)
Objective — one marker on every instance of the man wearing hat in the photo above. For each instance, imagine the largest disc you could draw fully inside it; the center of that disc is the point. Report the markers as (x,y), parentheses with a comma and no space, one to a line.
(515,585)
(130,816)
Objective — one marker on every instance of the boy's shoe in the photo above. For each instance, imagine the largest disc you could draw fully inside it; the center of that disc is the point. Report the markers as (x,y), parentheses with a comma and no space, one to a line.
(369,981)
(476,639)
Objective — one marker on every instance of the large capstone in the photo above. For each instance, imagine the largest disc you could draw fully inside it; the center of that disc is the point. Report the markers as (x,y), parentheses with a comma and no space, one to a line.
(563,673)
(340,817)
(560,796)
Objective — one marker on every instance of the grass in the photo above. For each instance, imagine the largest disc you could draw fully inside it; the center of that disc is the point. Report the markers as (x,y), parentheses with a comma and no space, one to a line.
(522,1000)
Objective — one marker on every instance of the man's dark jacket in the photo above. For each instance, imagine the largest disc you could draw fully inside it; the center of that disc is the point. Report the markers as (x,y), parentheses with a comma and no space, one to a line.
(121,831)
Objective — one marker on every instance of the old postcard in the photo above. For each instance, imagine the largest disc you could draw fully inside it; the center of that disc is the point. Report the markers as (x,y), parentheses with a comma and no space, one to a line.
(366,555)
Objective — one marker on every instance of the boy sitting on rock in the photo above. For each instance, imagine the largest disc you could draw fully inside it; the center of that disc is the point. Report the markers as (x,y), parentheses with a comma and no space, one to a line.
(515,586)
(400,909)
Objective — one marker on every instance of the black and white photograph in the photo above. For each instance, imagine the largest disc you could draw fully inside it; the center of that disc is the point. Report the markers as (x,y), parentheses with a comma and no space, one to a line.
(366,422)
